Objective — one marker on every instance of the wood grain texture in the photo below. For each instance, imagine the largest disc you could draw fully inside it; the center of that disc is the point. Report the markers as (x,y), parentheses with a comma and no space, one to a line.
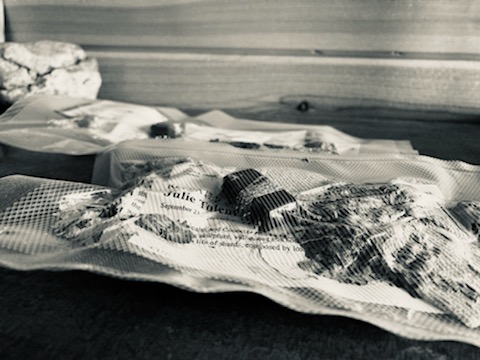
(185,79)
(415,54)
(425,26)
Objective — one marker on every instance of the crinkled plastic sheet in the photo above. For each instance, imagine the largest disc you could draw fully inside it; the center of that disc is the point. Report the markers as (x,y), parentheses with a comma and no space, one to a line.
(30,207)
(57,124)
(46,123)
(342,143)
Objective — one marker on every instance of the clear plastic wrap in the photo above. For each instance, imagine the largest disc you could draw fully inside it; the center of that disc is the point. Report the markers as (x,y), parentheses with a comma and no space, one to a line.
(75,126)
(372,238)
(217,126)
(56,124)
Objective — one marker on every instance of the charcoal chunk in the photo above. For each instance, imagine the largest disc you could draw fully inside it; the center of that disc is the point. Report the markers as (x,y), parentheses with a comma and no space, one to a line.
(162,130)
(235,182)
(264,206)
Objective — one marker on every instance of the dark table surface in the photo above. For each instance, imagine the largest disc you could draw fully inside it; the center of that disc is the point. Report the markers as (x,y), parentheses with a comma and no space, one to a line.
(80,315)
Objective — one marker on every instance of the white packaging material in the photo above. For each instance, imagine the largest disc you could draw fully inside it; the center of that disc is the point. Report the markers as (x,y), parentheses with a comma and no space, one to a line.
(372,238)
(73,126)
(220,127)
(56,124)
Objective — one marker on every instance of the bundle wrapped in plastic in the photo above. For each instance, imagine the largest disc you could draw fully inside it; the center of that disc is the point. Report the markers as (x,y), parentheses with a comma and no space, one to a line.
(376,239)
(79,126)
(396,232)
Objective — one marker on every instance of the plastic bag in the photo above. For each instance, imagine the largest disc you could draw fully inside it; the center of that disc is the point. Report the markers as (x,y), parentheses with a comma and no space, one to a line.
(217,126)
(57,124)
(70,126)
(203,217)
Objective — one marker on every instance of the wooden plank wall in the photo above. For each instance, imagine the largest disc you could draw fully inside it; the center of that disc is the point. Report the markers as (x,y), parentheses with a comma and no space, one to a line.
(412,54)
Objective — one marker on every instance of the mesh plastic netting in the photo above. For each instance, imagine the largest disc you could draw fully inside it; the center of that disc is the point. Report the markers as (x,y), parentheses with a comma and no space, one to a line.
(388,240)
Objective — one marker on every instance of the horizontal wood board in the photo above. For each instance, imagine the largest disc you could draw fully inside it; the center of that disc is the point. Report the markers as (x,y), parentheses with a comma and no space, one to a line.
(424,26)
(411,55)
(228,80)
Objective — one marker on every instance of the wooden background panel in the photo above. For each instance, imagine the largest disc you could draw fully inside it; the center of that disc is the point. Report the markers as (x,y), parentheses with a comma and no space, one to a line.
(2,22)
(410,55)
(423,26)
(189,80)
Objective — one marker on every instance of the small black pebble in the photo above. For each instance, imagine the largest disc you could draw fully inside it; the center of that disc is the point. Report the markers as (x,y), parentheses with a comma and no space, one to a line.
(162,129)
